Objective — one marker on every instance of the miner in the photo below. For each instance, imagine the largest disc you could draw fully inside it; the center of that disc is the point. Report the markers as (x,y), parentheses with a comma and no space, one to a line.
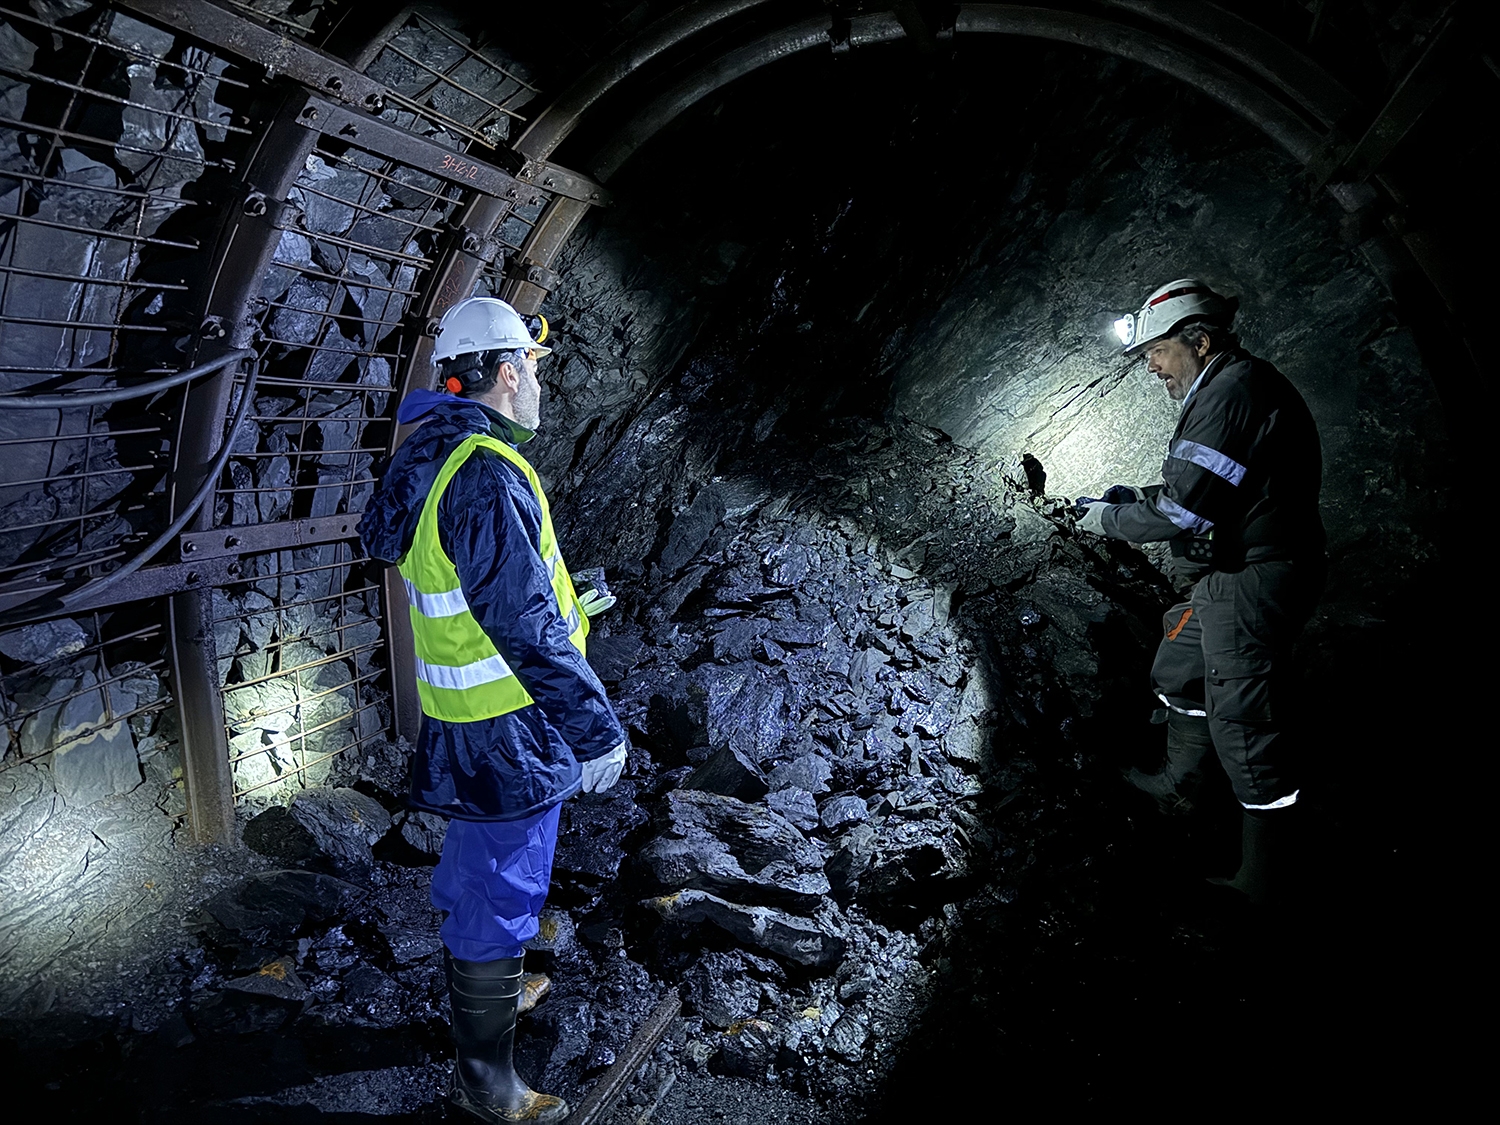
(514,720)
(1238,505)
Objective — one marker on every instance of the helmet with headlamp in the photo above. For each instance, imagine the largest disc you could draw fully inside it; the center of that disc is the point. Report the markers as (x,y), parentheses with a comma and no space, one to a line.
(485,324)
(1170,306)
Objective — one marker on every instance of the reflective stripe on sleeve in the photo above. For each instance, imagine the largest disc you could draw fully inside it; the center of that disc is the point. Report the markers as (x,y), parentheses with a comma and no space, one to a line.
(1181,710)
(1210,459)
(445,604)
(1283,803)
(1188,521)
(470,675)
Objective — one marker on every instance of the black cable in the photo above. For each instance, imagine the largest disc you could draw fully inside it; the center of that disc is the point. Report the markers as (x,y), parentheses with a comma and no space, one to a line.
(121,394)
(29,610)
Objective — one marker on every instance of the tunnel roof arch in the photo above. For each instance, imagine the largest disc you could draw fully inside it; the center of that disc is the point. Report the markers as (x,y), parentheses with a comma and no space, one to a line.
(1303,109)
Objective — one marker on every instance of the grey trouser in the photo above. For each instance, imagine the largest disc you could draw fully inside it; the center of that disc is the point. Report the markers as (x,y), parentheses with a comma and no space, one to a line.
(1225,654)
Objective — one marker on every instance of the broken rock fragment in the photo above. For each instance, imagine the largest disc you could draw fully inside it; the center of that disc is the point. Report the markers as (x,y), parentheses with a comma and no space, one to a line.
(803,941)
(272,906)
(277,979)
(337,824)
(729,773)
(44,642)
(719,844)
(750,1047)
(797,805)
(840,812)
(851,859)
(425,831)
(808,772)
(721,990)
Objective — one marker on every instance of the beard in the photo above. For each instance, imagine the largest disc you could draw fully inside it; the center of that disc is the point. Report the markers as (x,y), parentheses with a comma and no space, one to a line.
(528,405)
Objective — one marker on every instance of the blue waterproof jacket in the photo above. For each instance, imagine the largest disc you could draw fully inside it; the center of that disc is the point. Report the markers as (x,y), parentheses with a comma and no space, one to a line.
(519,764)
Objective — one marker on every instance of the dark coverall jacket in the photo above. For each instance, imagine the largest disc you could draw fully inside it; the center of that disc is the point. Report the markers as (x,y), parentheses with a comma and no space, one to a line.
(519,764)
(1239,504)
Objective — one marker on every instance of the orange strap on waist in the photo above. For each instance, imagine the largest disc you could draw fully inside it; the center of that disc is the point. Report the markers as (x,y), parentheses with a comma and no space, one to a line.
(1181,621)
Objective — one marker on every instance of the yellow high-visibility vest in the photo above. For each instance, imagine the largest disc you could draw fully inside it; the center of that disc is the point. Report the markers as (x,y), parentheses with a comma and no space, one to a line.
(461,677)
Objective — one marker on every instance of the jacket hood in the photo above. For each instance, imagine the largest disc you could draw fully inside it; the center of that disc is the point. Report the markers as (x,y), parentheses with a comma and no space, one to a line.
(419,405)
(389,523)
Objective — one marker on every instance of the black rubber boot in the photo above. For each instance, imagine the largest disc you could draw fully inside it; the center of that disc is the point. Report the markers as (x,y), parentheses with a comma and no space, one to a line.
(484,996)
(1177,784)
(1264,847)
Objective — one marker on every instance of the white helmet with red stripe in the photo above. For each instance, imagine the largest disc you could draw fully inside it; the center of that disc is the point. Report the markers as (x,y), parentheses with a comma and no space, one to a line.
(1175,303)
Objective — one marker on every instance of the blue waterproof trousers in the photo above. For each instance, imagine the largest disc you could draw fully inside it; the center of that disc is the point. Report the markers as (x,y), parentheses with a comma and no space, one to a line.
(492,881)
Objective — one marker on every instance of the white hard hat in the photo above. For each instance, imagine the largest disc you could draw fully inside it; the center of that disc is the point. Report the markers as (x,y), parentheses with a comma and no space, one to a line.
(1172,304)
(482,324)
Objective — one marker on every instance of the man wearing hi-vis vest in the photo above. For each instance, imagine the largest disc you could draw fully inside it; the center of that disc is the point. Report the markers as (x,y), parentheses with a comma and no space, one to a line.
(515,721)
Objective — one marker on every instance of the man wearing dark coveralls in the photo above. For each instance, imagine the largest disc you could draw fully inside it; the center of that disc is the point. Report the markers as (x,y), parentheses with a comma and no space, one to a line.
(514,720)
(1238,504)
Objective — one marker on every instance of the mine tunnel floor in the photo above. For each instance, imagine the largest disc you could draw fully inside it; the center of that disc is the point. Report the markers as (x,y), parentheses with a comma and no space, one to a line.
(1143,994)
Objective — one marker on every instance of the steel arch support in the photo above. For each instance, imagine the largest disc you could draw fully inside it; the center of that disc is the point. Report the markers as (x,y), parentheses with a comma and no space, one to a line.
(558,119)
(1272,116)
(1235,37)
(244,249)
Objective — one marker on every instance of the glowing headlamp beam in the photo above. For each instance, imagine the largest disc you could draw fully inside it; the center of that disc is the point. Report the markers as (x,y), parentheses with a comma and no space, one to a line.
(1125,329)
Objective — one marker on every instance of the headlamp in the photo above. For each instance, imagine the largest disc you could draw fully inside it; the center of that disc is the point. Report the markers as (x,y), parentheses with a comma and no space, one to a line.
(1125,330)
(537,326)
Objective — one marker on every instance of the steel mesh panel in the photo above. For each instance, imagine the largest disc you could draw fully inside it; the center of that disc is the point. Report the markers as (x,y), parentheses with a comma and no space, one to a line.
(302,668)
(89,697)
(358,237)
(511,233)
(444,83)
(104,121)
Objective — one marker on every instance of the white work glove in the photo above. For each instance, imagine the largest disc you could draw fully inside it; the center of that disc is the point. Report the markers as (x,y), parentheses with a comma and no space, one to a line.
(601,773)
(596,597)
(1093,517)
(593,603)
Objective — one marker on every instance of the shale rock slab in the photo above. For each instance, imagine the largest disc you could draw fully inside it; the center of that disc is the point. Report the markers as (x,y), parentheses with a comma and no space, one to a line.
(338,824)
(716,843)
(802,941)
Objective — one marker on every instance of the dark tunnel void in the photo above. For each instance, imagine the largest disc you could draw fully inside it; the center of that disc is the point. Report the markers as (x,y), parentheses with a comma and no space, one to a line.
(782,399)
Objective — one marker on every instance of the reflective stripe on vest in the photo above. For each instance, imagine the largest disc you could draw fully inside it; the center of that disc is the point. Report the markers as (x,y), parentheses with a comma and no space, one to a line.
(461,677)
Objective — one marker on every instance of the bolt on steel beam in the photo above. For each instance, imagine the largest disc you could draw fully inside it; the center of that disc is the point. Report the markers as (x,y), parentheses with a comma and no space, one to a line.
(279,54)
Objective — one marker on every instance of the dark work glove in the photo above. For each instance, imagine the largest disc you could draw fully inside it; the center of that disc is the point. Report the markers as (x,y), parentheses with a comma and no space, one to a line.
(1122,494)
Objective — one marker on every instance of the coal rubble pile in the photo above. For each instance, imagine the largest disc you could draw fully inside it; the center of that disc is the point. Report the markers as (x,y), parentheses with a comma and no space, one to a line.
(833,691)
(855,704)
